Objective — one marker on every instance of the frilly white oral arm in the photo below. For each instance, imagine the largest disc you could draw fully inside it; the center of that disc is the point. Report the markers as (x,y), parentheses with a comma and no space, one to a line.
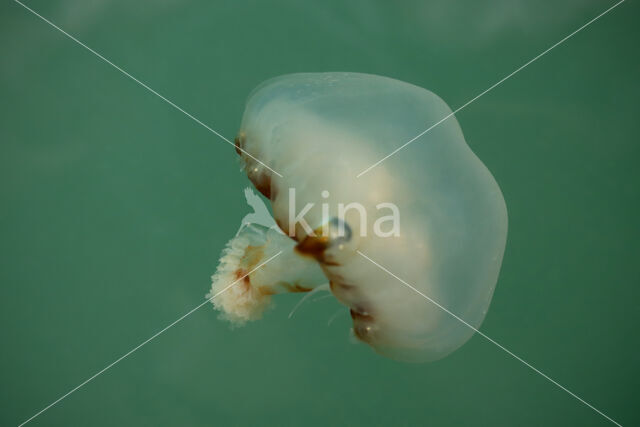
(249,298)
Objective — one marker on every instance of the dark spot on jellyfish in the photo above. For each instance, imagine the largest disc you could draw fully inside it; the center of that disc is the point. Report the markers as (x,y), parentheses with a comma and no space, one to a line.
(262,182)
(339,231)
(313,246)
(340,285)
(363,325)
(239,143)
(338,277)
(363,332)
(240,273)
(361,311)
(246,282)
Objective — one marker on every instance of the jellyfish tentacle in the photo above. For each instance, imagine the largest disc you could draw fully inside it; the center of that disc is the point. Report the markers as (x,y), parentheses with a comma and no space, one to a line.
(334,316)
(314,291)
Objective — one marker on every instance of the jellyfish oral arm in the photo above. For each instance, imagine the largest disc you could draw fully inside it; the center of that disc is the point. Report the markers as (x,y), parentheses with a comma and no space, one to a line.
(248,299)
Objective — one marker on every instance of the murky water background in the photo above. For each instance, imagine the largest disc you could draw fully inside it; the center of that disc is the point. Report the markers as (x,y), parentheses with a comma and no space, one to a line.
(114,208)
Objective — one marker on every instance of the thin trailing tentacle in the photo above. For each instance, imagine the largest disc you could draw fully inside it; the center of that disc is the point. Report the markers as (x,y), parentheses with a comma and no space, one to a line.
(335,315)
(324,287)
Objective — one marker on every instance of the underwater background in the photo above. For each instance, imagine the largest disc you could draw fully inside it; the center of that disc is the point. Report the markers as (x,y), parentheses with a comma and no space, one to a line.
(114,208)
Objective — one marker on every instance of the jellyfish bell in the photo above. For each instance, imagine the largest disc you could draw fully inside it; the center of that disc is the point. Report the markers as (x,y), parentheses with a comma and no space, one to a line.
(320,131)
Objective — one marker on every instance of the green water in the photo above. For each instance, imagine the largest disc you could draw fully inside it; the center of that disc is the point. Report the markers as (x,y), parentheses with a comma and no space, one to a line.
(114,208)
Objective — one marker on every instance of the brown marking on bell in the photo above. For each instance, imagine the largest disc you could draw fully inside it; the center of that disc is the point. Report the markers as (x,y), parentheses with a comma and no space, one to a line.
(337,277)
(363,325)
(313,246)
(340,285)
(239,143)
(361,311)
(262,182)
(360,314)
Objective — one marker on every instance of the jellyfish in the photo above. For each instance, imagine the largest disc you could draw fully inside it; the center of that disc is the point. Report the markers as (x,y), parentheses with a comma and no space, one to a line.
(431,214)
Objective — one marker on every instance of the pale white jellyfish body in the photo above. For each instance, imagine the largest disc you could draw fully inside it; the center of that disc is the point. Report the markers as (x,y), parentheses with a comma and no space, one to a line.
(431,214)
